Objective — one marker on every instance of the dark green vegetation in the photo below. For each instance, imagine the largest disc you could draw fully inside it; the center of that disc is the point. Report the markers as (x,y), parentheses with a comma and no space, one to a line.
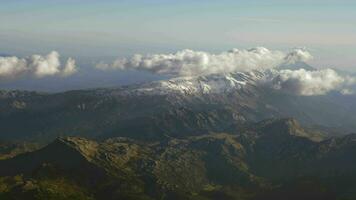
(272,159)
(11,149)
(127,143)
(106,113)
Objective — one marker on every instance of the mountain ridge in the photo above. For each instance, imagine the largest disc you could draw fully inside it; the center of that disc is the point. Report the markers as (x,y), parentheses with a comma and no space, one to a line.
(169,108)
(259,158)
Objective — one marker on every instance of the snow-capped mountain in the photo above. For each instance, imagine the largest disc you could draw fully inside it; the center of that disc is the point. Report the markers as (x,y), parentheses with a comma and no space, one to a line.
(174,107)
(213,83)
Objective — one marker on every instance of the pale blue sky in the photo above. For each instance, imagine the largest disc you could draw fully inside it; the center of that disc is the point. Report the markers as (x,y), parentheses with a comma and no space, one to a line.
(98,30)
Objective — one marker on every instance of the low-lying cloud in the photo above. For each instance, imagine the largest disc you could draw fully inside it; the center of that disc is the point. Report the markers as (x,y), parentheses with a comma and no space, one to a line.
(193,63)
(308,83)
(37,66)
(190,63)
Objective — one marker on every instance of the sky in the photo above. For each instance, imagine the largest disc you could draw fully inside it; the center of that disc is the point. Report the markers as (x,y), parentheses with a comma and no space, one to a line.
(92,31)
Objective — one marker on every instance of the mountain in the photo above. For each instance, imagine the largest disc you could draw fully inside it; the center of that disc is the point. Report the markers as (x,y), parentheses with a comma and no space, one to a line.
(158,110)
(4,55)
(9,150)
(198,85)
(273,159)
(296,66)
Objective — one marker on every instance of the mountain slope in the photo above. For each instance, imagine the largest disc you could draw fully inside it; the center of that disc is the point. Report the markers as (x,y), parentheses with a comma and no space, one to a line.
(172,108)
(268,158)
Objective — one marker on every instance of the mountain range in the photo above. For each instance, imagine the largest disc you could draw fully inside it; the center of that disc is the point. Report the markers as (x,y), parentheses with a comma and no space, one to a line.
(218,136)
(169,108)
(272,159)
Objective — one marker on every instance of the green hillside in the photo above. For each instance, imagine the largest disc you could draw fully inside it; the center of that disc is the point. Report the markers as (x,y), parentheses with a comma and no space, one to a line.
(273,158)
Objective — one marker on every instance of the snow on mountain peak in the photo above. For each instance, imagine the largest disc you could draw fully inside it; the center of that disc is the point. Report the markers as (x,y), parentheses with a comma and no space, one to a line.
(213,83)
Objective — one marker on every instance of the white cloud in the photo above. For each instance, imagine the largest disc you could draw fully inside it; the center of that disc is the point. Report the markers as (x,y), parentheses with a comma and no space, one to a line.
(70,68)
(347,92)
(35,66)
(45,65)
(308,83)
(11,67)
(189,63)
(298,55)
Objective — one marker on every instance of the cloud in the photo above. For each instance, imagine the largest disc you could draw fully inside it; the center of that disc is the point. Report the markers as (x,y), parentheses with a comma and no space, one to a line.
(190,63)
(37,66)
(11,67)
(308,83)
(45,65)
(70,68)
(298,55)
(347,92)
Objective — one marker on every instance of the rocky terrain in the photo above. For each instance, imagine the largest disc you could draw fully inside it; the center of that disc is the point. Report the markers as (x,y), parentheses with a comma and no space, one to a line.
(273,158)
(219,136)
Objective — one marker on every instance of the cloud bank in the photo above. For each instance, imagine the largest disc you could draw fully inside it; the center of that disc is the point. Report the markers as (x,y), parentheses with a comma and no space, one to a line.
(190,63)
(308,83)
(37,66)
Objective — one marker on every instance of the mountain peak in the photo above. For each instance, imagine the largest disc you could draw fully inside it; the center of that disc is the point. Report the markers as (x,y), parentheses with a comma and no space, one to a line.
(87,148)
(213,83)
(287,127)
(296,66)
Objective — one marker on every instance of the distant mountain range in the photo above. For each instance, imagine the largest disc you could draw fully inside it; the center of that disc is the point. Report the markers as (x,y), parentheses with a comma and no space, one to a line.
(171,108)
(219,136)
(296,66)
